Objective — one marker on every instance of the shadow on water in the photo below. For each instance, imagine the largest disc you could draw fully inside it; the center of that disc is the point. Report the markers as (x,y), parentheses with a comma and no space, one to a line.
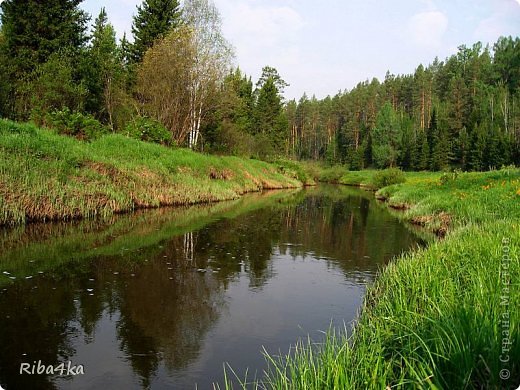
(162,298)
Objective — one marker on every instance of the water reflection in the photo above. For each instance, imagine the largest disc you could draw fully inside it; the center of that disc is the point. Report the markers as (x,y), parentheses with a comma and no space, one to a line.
(162,298)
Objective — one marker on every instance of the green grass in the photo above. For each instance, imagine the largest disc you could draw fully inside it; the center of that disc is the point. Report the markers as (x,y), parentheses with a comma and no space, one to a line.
(434,318)
(44,176)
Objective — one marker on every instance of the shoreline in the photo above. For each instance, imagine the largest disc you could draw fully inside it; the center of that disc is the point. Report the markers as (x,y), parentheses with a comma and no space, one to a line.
(428,320)
(47,177)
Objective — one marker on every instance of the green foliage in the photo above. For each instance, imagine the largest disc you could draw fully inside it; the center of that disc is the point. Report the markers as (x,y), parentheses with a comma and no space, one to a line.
(146,129)
(154,19)
(32,32)
(48,95)
(385,138)
(75,124)
(388,177)
(428,120)
(332,174)
(448,177)
(270,121)
(105,75)
(230,128)
(296,170)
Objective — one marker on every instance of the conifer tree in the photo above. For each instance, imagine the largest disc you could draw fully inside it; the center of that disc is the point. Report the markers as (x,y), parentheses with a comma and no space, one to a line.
(270,122)
(422,152)
(33,31)
(154,19)
(103,64)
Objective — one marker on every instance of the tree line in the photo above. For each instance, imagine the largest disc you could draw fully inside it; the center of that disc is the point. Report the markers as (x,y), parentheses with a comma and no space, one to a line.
(462,112)
(165,85)
(174,83)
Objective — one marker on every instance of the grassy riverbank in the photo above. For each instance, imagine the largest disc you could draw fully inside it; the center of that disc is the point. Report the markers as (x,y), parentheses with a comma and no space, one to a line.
(45,176)
(445,317)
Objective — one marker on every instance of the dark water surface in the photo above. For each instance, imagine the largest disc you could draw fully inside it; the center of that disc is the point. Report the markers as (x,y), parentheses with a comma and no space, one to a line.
(161,299)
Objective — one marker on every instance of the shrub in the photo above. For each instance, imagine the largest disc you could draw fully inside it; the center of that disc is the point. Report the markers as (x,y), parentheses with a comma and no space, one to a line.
(149,130)
(446,177)
(333,174)
(388,177)
(75,124)
(295,170)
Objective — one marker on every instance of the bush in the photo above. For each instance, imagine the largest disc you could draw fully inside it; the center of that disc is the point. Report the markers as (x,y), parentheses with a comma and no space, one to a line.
(388,177)
(295,170)
(333,174)
(449,176)
(149,130)
(75,124)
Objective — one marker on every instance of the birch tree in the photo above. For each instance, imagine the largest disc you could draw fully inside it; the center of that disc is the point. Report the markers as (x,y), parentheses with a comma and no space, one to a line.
(211,63)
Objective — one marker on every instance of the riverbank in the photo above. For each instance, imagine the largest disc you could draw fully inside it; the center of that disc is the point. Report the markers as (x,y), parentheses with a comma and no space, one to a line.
(441,317)
(48,177)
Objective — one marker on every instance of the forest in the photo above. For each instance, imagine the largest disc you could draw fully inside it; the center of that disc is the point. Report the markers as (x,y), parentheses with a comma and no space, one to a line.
(174,82)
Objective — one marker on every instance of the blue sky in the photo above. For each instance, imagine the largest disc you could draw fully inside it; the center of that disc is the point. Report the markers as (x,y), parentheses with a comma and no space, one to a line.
(321,47)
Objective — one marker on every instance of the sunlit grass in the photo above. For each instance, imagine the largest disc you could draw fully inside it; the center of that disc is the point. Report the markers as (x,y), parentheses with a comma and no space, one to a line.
(44,176)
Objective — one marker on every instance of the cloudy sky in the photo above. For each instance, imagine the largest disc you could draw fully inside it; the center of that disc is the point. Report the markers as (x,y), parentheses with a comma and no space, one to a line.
(321,47)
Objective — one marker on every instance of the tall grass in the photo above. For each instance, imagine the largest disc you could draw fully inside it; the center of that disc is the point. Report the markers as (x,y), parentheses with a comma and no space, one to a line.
(44,176)
(436,318)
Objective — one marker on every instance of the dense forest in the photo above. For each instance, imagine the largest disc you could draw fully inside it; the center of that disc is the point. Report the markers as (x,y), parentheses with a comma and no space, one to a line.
(174,83)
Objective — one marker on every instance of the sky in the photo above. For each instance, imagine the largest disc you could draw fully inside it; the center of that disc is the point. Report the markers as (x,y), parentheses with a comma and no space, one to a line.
(322,47)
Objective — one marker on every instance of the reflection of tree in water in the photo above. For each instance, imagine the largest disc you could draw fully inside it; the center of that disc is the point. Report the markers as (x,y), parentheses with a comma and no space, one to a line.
(248,239)
(164,302)
(351,231)
(35,325)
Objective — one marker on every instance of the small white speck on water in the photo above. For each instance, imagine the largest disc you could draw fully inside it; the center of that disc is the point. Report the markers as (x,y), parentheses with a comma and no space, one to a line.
(116,273)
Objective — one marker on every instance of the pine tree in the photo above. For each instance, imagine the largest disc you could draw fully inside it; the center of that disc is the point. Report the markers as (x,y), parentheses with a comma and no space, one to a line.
(103,64)
(35,30)
(422,154)
(154,19)
(385,137)
(478,149)
(464,144)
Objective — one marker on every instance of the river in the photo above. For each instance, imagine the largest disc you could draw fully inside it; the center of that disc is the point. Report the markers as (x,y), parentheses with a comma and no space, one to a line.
(164,298)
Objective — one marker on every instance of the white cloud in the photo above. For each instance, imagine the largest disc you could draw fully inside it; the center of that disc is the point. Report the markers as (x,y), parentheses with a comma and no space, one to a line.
(427,29)
(263,34)
(259,25)
(502,21)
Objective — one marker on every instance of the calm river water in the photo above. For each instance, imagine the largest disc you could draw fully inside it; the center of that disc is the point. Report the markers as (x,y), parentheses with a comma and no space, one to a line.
(163,299)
